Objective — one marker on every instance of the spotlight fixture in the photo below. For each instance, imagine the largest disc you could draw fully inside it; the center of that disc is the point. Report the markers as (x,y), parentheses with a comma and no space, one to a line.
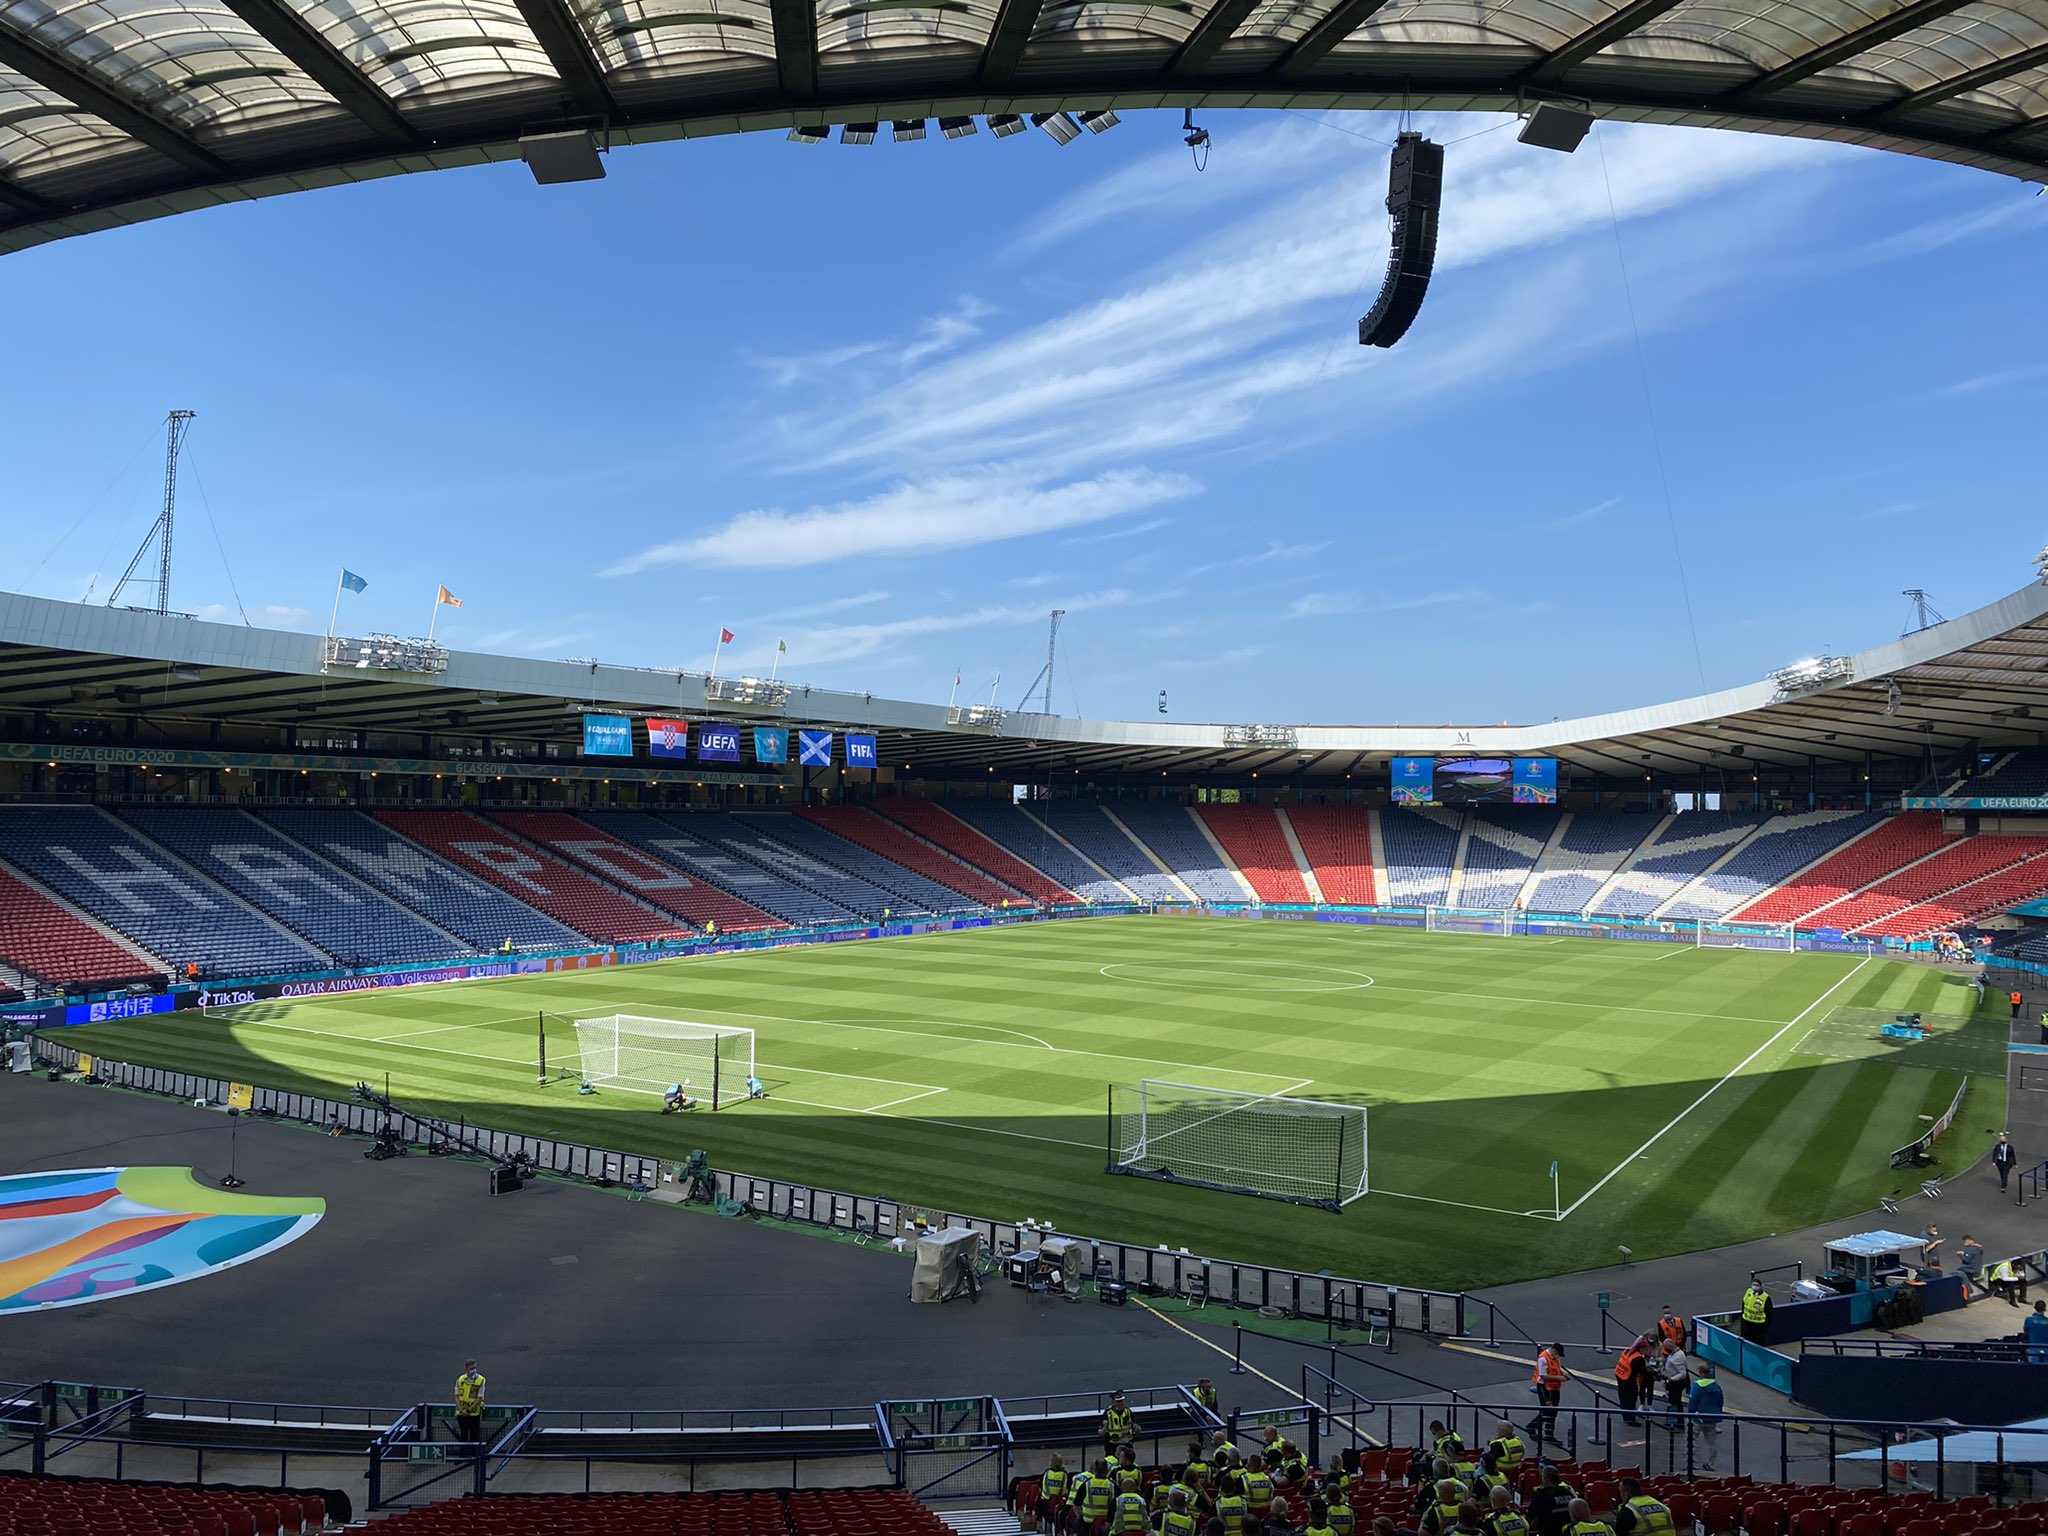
(909,129)
(859,133)
(1197,137)
(1003,124)
(555,158)
(812,133)
(957,127)
(1552,125)
(1099,122)
(1060,125)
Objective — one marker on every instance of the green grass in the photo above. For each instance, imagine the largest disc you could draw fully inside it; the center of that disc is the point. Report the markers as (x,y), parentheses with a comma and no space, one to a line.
(967,1071)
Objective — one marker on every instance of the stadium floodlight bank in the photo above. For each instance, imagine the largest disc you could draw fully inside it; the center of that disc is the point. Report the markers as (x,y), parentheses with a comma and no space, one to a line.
(1307,1151)
(628,1051)
(1701,933)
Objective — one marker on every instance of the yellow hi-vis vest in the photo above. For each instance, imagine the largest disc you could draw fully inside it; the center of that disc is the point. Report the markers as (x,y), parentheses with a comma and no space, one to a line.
(1754,1300)
(1341,1519)
(1052,1484)
(1230,1508)
(1118,1425)
(1176,1522)
(1653,1517)
(1093,1494)
(469,1392)
(1507,1452)
(1258,1492)
(1508,1522)
(1131,1513)
(1128,1479)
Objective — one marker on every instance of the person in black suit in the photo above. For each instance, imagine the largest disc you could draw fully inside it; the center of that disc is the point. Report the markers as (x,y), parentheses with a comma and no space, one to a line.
(2003,1157)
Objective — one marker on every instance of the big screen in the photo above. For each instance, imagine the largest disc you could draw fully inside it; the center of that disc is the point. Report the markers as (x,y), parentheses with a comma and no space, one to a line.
(1474,780)
(1414,781)
(1535,781)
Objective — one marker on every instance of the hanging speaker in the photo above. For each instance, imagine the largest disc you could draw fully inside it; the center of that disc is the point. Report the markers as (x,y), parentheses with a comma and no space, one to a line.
(1550,126)
(1415,190)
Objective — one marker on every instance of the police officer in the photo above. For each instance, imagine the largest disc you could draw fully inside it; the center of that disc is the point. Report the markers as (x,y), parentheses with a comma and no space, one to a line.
(1130,1514)
(1231,1509)
(1583,1523)
(1441,1518)
(1175,1520)
(1640,1515)
(1205,1394)
(1445,1443)
(1093,1494)
(1318,1522)
(469,1403)
(1054,1484)
(1502,1518)
(1756,1312)
(1195,1471)
(1127,1475)
(1338,1503)
(1118,1424)
(1505,1450)
(1258,1487)
(1550,1504)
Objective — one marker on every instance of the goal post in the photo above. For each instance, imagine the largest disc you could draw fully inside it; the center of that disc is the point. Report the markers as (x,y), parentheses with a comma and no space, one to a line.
(1307,1151)
(638,1054)
(1773,936)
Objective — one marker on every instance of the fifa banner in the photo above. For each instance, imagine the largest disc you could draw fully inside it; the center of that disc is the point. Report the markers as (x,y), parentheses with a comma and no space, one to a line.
(607,736)
(860,751)
(1535,781)
(814,749)
(771,744)
(718,743)
(668,738)
(1415,781)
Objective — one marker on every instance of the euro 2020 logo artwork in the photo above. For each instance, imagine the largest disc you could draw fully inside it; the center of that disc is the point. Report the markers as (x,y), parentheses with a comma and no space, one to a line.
(86,1234)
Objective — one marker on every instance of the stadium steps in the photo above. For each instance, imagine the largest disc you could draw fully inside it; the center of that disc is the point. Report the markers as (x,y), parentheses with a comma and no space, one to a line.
(1307,870)
(26,904)
(1052,832)
(1541,867)
(1261,848)
(1456,888)
(933,823)
(1222,854)
(1634,857)
(458,944)
(1337,841)
(1145,849)
(1376,831)
(978,1519)
(891,840)
(1698,882)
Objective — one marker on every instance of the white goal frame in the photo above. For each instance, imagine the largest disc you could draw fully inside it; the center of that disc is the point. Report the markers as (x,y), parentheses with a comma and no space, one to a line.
(713,1062)
(1134,1145)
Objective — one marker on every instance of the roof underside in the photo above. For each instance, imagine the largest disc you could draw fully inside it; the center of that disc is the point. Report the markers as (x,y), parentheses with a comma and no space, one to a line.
(113,111)
(1980,680)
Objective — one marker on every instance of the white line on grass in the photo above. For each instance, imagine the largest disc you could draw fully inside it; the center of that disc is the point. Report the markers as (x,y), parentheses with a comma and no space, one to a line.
(1464,1205)
(908,1098)
(1715,1088)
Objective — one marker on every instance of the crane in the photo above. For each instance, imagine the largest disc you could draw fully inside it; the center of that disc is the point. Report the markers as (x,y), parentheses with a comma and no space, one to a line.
(160,530)
(1052,650)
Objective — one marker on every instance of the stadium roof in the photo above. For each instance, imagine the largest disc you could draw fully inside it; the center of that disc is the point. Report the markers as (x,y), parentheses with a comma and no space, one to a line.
(114,111)
(1976,679)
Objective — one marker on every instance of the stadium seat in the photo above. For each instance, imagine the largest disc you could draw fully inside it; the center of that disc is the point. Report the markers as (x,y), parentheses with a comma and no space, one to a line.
(940,827)
(896,843)
(1965,881)
(50,943)
(1252,836)
(1504,845)
(684,839)
(477,913)
(1178,839)
(1785,845)
(1337,841)
(915,891)
(659,882)
(1035,843)
(1584,857)
(1894,842)
(167,907)
(351,921)
(534,876)
(772,842)
(1682,850)
(1095,832)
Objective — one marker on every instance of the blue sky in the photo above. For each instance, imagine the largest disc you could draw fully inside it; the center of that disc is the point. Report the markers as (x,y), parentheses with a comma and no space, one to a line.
(893,404)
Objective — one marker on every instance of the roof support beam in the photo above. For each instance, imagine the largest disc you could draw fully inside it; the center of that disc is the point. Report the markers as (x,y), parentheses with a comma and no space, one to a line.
(2016,132)
(19,200)
(1629,18)
(1015,22)
(1345,18)
(562,40)
(89,93)
(1968,80)
(286,31)
(796,46)
(1846,47)
(1210,34)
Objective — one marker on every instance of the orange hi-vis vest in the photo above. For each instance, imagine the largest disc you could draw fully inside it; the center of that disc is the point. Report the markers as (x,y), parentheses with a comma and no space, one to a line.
(1549,1370)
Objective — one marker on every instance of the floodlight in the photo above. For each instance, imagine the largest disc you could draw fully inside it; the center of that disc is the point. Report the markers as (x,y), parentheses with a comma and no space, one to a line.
(859,133)
(1003,124)
(555,158)
(812,133)
(1060,125)
(908,129)
(957,127)
(1551,125)
(1099,122)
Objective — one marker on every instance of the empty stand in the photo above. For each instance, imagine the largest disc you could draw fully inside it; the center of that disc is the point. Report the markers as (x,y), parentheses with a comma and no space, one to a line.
(940,827)
(914,890)
(1420,848)
(1893,843)
(877,834)
(137,889)
(1251,835)
(834,887)
(1106,844)
(350,921)
(1337,841)
(1679,854)
(51,1506)
(2024,772)
(654,880)
(1986,866)
(1172,833)
(481,915)
(1505,844)
(1034,843)
(534,876)
(52,944)
(1966,903)
(1593,845)
(826,1512)
(1786,845)
(685,839)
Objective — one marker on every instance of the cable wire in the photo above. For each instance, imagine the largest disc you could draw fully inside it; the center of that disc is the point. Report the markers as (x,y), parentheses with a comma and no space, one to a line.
(77,521)
(207,507)
(1650,412)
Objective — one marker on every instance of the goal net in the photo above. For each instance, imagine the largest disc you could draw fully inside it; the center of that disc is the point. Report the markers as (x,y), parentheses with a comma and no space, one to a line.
(712,1062)
(1304,1150)
(1744,936)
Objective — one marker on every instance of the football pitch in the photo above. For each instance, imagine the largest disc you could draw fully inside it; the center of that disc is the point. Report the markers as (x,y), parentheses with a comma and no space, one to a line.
(1689,1097)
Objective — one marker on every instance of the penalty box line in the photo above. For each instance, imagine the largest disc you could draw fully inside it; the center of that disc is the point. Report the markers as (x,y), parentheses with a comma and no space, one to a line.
(1716,1087)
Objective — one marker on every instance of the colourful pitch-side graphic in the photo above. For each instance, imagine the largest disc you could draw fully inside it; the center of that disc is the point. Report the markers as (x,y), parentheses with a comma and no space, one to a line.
(89,1233)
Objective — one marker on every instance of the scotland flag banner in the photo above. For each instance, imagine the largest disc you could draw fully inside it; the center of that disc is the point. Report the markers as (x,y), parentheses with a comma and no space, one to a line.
(771,745)
(718,743)
(668,738)
(814,749)
(860,751)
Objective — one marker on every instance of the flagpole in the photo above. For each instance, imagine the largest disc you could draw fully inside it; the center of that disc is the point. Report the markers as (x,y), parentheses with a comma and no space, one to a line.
(956,689)
(992,687)
(334,618)
(716,652)
(436,619)
(776,666)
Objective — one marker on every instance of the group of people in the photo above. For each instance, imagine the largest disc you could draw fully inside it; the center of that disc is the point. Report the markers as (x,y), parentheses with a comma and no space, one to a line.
(1653,1363)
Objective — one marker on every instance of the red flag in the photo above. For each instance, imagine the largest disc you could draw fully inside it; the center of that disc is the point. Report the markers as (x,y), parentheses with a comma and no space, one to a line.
(448,599)
(725,637)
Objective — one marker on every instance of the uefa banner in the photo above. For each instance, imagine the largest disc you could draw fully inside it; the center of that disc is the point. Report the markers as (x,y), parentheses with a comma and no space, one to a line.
(1535,781)
(607,736)
(718,743)
(1414,781)
(771,744)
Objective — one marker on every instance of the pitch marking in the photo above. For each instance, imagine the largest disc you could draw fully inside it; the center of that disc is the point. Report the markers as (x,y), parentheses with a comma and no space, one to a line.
(1196,971)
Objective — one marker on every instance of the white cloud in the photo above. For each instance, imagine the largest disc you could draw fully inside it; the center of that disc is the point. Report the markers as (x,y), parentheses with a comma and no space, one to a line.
(2002,378)
(1320,605)
(1578,519)
(1130,531)
(848,642)
(941,333)
(916,517)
